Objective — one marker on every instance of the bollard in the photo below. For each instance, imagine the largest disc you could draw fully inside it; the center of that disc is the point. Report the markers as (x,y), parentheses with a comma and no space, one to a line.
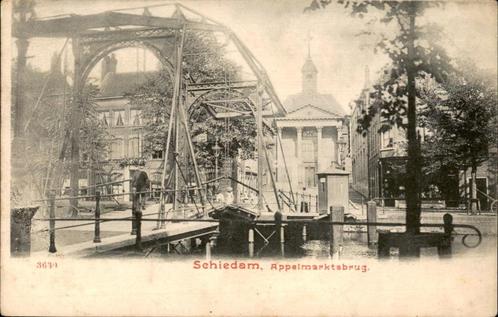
(133,210)
(251,242)
(52,248)
(371,217)
(336,215)
(96,238)
(383,247)
(305,234)
(20,230)
(213,240)
(282,240)
(208,251)
(444,249)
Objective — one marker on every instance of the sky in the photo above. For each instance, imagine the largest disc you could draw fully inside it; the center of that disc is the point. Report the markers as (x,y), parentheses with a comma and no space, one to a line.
(276,33)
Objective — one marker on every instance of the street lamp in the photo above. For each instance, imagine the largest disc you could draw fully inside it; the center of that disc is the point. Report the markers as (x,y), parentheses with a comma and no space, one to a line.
(216,148)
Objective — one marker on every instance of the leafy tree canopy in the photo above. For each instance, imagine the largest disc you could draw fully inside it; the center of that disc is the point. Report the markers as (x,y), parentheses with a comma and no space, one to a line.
(204,61)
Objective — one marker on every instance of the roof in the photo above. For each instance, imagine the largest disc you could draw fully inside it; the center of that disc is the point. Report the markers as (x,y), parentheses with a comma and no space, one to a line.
(118,84)
(326,102)
(333,171)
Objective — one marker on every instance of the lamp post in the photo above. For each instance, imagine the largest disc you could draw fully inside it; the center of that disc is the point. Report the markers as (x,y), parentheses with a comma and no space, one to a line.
(216,148)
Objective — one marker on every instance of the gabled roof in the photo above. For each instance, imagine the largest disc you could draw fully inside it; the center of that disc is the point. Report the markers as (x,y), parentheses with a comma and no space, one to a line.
(325,102)
(320,110)
(119,84)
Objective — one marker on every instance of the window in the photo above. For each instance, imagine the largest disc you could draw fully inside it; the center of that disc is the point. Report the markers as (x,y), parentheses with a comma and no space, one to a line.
(119,115)
(157,155)
(135,117)
(117,149)
(309,176)
(387,140)
(134,147)
(104,118)
(308,151)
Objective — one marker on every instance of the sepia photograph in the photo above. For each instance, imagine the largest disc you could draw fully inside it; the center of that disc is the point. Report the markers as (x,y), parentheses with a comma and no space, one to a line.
(249,158)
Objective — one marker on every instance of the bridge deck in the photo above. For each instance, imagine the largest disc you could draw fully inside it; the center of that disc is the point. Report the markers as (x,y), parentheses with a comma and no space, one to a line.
(116,235)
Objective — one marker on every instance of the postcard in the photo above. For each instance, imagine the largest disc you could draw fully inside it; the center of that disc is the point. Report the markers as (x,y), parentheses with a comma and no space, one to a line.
(248,158)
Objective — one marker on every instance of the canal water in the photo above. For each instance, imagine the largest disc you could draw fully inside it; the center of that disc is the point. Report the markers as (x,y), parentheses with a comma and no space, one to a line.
(354,246)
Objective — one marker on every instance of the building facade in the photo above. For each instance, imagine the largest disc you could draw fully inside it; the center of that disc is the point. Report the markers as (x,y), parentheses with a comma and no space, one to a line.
(379,159)
(314,134)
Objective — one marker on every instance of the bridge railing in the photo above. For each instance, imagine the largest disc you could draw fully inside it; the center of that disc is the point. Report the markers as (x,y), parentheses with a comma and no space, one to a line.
(188,199)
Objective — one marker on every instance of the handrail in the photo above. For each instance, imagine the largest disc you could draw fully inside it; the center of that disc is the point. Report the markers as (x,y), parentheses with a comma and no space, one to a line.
(245,185)
(305,221)
(486,195)
(119,194)
(105,184)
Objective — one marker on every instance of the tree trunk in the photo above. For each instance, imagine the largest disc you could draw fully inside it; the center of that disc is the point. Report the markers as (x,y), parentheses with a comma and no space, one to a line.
(235,174)
(473,190)
(19,107)
(413,167)
(465,194)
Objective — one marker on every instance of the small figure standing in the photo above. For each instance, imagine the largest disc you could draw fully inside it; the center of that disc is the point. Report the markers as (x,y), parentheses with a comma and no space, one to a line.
(140,181)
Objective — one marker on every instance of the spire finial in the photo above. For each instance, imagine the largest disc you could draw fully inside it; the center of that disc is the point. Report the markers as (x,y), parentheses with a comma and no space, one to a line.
(309,38)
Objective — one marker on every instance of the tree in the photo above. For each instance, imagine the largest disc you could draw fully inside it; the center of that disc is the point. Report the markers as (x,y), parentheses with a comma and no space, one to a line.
(413,51)
(461,114)
(47,128)
(204,61)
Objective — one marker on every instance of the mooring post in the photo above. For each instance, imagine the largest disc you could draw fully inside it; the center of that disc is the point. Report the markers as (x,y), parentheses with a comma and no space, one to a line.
(336,215)
(444,249)
(371,217)
(133,210)
(52,248)
(96,238)
(208,250)
(251,242)
(282,240)
(20,230)
(305,233)
(383,247)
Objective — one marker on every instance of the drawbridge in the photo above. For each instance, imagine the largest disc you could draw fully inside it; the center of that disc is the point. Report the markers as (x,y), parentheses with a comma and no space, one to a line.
(95,36)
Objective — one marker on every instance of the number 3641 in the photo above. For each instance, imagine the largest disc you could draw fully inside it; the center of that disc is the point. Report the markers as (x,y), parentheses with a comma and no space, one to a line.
(46,265)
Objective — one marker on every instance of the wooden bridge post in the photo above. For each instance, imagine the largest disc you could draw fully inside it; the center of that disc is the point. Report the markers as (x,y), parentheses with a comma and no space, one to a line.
(251,242)
(444,249)
(383,246)
(208,250)
(138,220)
(336,215)
(282,240)
(51,196)
(133,210)
(20,230)
(371,217)
(96,238)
